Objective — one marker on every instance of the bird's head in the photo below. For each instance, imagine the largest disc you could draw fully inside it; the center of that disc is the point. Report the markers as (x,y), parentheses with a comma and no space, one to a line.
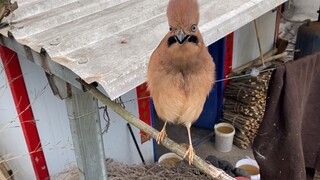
(183,17)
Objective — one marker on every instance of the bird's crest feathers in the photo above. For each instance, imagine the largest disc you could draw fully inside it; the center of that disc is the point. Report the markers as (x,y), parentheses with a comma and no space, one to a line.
(183,13)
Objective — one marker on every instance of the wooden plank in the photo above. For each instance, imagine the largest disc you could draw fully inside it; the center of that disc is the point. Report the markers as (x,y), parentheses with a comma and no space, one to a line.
(86,133)
(4,172)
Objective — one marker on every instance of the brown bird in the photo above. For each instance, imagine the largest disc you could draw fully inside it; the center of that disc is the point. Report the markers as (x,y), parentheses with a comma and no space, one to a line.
(181,70)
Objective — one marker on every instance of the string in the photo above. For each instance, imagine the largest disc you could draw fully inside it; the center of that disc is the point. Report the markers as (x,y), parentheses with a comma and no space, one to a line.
(233,77)
(106,116)
(220,80)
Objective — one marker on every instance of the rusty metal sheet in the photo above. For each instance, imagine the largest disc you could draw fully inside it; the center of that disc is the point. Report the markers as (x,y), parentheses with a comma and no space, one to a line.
(110,41)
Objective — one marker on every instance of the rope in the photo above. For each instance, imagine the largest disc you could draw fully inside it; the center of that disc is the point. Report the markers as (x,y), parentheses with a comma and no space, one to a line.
(220,80)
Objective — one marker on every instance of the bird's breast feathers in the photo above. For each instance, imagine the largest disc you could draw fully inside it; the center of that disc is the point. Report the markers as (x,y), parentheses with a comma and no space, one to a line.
(179,91)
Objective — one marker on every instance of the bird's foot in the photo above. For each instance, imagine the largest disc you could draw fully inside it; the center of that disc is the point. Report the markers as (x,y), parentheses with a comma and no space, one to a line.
(161,135)
(190,154)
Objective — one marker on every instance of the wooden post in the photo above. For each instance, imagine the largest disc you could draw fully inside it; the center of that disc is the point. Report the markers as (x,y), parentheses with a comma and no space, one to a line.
(86,133)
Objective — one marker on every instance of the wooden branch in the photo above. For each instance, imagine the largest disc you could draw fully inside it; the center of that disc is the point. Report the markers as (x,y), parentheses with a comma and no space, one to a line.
(278,56)
(206,168)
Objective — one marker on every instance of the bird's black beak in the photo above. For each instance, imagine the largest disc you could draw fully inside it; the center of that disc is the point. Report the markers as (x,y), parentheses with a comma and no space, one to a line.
(181,36)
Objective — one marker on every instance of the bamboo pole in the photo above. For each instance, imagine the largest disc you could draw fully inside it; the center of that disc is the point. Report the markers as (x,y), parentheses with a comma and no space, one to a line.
(258,39)
(206,168)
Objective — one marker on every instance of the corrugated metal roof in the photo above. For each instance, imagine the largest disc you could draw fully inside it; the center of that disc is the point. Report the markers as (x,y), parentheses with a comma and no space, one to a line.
(110,41)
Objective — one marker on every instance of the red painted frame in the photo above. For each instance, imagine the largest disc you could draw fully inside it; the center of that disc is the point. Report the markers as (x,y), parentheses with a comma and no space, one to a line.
(144,109)
(228,56)
(20,96)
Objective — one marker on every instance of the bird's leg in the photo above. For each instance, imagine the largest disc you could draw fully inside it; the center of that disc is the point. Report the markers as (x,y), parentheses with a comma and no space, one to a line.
(190,151)
(162,134)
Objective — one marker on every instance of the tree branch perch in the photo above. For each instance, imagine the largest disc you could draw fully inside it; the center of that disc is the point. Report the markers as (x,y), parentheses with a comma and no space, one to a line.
(206,168)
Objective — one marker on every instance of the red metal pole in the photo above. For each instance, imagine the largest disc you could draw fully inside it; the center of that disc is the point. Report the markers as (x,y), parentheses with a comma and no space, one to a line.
(228,56)
(20,96)
(144,109)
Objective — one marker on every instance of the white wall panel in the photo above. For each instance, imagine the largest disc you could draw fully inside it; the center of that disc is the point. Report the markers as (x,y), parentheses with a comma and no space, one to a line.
(245,42)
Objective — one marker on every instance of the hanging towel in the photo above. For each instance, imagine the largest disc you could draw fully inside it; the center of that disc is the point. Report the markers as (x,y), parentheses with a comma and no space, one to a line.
(288,139)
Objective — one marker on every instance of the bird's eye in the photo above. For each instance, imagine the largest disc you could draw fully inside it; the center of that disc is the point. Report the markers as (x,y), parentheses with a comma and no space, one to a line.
(170,29)
(194,28)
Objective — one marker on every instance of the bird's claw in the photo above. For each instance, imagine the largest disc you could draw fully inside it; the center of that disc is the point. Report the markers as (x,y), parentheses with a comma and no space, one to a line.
(161,135)
(190,154)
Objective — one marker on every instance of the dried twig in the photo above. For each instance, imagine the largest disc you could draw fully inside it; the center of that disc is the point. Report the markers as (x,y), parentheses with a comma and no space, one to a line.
(37,95)
(244,106)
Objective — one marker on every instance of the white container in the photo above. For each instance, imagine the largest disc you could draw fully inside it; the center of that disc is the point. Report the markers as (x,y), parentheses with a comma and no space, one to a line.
(169,159)
(254,170)
(224,133)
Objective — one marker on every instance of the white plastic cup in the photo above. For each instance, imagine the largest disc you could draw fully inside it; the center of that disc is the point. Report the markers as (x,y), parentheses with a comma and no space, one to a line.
(165,159)
(224,133)
(251,162)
